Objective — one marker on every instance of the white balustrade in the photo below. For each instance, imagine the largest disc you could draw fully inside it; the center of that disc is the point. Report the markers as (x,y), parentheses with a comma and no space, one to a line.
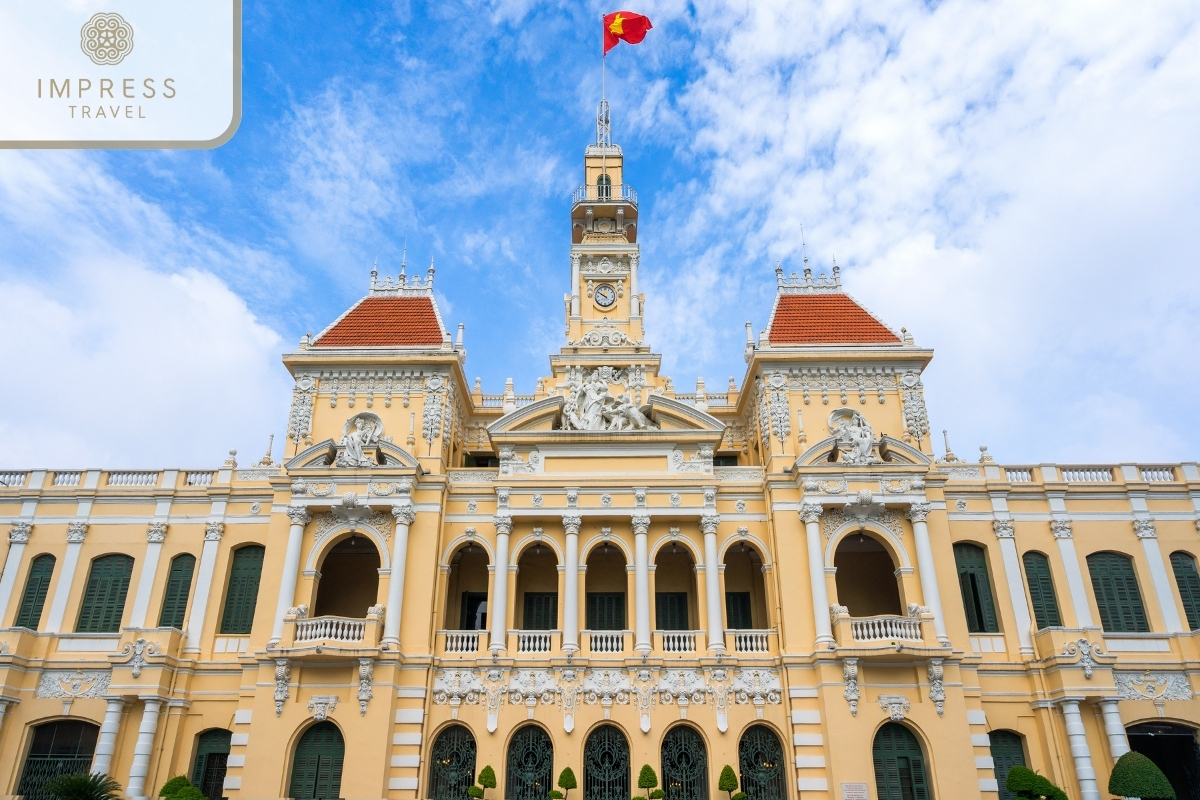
(67,478)
(462,641)
(886,628)
(750,641)
(1151,474)
(1018,474)
(1087,474)
(606,641)
(533,641)
(132,478)
(333,629)
(679,641)
(198,478)
(12,479)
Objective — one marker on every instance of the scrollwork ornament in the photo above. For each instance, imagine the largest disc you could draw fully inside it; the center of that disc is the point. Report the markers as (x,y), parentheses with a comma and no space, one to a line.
(73,684)
(19,532)
(895,704)
(283,676)
(850,674)
(937,691)
(76,532)
(811,512)
(1060,528)
(139,650)
(1144,528)
(213,531)
(366,677)
(1003,529)
(1157,687)
(1087,652)
(404,513)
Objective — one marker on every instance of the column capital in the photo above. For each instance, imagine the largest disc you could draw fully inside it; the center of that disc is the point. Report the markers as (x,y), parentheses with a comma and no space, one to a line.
(299,515)
(640,523)
(213,531)
(1060,528)
(156,532)
(76,531)
(1003,529)
(811,512)
(709,523)
(20,532)
(1144,528)
(503,523)
(917,512)
(404,513)
(572,522)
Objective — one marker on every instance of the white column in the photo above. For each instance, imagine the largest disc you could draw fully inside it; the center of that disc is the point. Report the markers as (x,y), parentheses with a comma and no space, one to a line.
(1080,751)
(76,531)
(18,537)
(712,582)
(141,751)
(404,514)
(1158,574)
(1061,528)
(106,743)
(299,516)
(208,564)
(499,605)
(1016,583)
(575,284)
(1118,742)
(917,512)
(570,625)
(641,583)
(811,514)
(156,534)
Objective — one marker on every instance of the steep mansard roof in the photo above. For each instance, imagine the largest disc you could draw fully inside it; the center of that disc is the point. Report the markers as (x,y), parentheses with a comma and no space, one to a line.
(815,311)
(402,313)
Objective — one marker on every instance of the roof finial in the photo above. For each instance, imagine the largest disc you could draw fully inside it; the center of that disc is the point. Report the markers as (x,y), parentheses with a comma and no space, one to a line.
(803,246)
(404,256)
(430,281)
(374,272)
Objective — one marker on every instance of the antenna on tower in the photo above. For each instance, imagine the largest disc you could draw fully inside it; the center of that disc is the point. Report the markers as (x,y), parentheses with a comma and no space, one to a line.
(803,246)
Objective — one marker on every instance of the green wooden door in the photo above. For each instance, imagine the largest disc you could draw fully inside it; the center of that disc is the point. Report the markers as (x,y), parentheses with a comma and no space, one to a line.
(1041,590)
(977,598)
(1007,752)
(1188,582)
(737,610)
(212,757)
(41,570)
(899,765)
(671,611)
(452,764)
(1117,593)
(179,586)
(104,598)
(317,768)
(606,611)
(541,611)
(242,595)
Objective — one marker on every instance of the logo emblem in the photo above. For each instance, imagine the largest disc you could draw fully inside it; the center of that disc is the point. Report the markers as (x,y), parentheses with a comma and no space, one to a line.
(106,38)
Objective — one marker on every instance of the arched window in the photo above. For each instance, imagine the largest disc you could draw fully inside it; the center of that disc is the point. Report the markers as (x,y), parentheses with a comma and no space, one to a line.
(58,748)
(530,765)
(684,765)
(317,766)
(212,757)
(349,579)
(866,577)
(976,588)
(104,598)
(1117,593)
(899,764)
(761,764)
(606,768)
(1188,581)
(41,570)
(179,586)
(1041,590)
(242,595)
(604,186)
(1007,752)
(452,764)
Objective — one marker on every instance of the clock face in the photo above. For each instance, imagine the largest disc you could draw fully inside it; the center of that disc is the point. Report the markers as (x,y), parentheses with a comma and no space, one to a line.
(605,296)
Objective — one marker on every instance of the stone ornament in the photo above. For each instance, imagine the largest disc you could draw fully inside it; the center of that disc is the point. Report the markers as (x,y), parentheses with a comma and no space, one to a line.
(850,674)
(1158,687)
(455,687)
(321,705)
(283,676)
(571,523)
(590,405)
(676,499)
(854,435)
(918,512)
(366,676)
(1144,528)
(404,513)
(709,523)
(19,532)
(606,687)
(759,687)
(433,411)
(937,691)
(640,523)
(299,612)
(73,684)
(503,523)
(360,431)
(811,512)
(682,687)
(1003,529)
(1060,528)
(719,689)
(299,515)
(139,650)
(1087,652)
(76,531)
(213,531)
(896,705)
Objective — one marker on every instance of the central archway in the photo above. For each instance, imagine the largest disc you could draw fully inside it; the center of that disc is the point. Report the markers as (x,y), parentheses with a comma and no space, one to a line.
(684,765)
(606,765)
(866,577)
(349,579)
(317,766)
(530,765)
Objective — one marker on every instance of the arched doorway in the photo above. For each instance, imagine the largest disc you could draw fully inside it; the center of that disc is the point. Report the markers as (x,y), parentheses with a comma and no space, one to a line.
(467,589)
(1008,751)
(684,765)
(606,770)
(761,764)
(866,577)
(317,766)
(745,590)
(1174,750)
(349,583)
(58,748)
(899,765)
(451,764)
(530,765)
(212,758)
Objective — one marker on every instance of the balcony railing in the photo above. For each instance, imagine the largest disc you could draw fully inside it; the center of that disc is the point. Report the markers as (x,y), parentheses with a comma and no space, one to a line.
(678,641)
(886,628)
(1158,474)
(67,478)
(1087,474)
(132,478)
(462,641)
(198,478)
(751,641)
(330,629)
(534,641)
(605,641)
(603,193)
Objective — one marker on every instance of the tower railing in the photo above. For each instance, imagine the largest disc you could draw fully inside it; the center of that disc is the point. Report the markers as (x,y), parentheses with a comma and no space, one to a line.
(604,193)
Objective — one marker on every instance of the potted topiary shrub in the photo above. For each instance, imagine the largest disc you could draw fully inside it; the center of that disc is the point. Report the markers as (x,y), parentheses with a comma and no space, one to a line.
(648,779)
(84,786)
(487,780)
(728,782)
(1134,775)
(566,782)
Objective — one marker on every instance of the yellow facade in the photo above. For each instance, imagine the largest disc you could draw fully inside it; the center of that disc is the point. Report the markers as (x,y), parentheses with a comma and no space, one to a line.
(770,565)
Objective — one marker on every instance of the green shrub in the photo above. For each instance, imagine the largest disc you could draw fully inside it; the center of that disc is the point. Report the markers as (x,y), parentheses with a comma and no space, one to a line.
(1028,785)
(555,794)
(475,791)
(189,792)
(738,796)
(566,781)
(84,786)
(657,794)
(1134,775)
(728,781)
(487,777)
(174,785)
(647,778)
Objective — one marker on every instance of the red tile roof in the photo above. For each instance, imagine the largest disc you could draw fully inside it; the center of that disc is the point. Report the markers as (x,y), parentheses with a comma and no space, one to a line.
(385,322)
(825,319)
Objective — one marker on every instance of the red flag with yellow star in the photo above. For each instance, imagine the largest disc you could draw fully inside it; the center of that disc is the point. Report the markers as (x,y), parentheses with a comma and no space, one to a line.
(624,26)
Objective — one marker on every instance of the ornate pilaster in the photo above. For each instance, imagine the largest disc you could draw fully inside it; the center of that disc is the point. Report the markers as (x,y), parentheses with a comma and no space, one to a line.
(917,514)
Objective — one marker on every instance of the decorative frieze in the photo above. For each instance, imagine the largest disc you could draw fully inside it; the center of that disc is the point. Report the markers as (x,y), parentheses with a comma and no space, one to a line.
(73,684)
(1158,687)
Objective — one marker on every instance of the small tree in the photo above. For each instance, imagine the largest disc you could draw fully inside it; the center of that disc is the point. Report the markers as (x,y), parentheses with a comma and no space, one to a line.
(189,792)
(566,781)
(647,779)
(1026,784)
(1134,775)
(84,786)
(728,781)
(487,780)
(174,785)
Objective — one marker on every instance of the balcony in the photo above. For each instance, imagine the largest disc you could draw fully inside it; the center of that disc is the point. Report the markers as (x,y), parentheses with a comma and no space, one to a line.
(535,642)
(885,635)
(604,643)
(602,193)
(678,642)
(750,641)
(333,635)
(457,643)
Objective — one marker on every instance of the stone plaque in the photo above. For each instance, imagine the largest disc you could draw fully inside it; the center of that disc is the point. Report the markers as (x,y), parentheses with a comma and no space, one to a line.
(855,791)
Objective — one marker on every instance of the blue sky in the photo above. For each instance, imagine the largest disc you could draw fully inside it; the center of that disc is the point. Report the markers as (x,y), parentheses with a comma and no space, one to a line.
(1017,185)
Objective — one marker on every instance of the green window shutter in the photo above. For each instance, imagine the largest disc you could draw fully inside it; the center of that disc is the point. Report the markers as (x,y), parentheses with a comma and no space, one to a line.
(978,603)
(606,611)
(899,765)
(212,757)
(41,570)
(1007,752)
(179,586)
(1117,593)
(242,595)
(1041,590)
(317,765)
(1188,581)
(541,611)
(671,611)
(737,610)
(104,598)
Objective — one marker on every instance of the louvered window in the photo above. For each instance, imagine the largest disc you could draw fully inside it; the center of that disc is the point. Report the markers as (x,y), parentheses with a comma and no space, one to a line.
(1117,593)
(104,597)
(317,765)
(212,757)
(737,610)
(179,586)
(899,765)
(541,611)
(671,611)
(1188,582)
(242,596)
(41,570)
(976,589)
(606,611)
(1007,752)
(1041,590)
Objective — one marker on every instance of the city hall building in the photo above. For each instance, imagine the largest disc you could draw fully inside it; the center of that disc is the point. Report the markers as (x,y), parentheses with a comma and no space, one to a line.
(781,575)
